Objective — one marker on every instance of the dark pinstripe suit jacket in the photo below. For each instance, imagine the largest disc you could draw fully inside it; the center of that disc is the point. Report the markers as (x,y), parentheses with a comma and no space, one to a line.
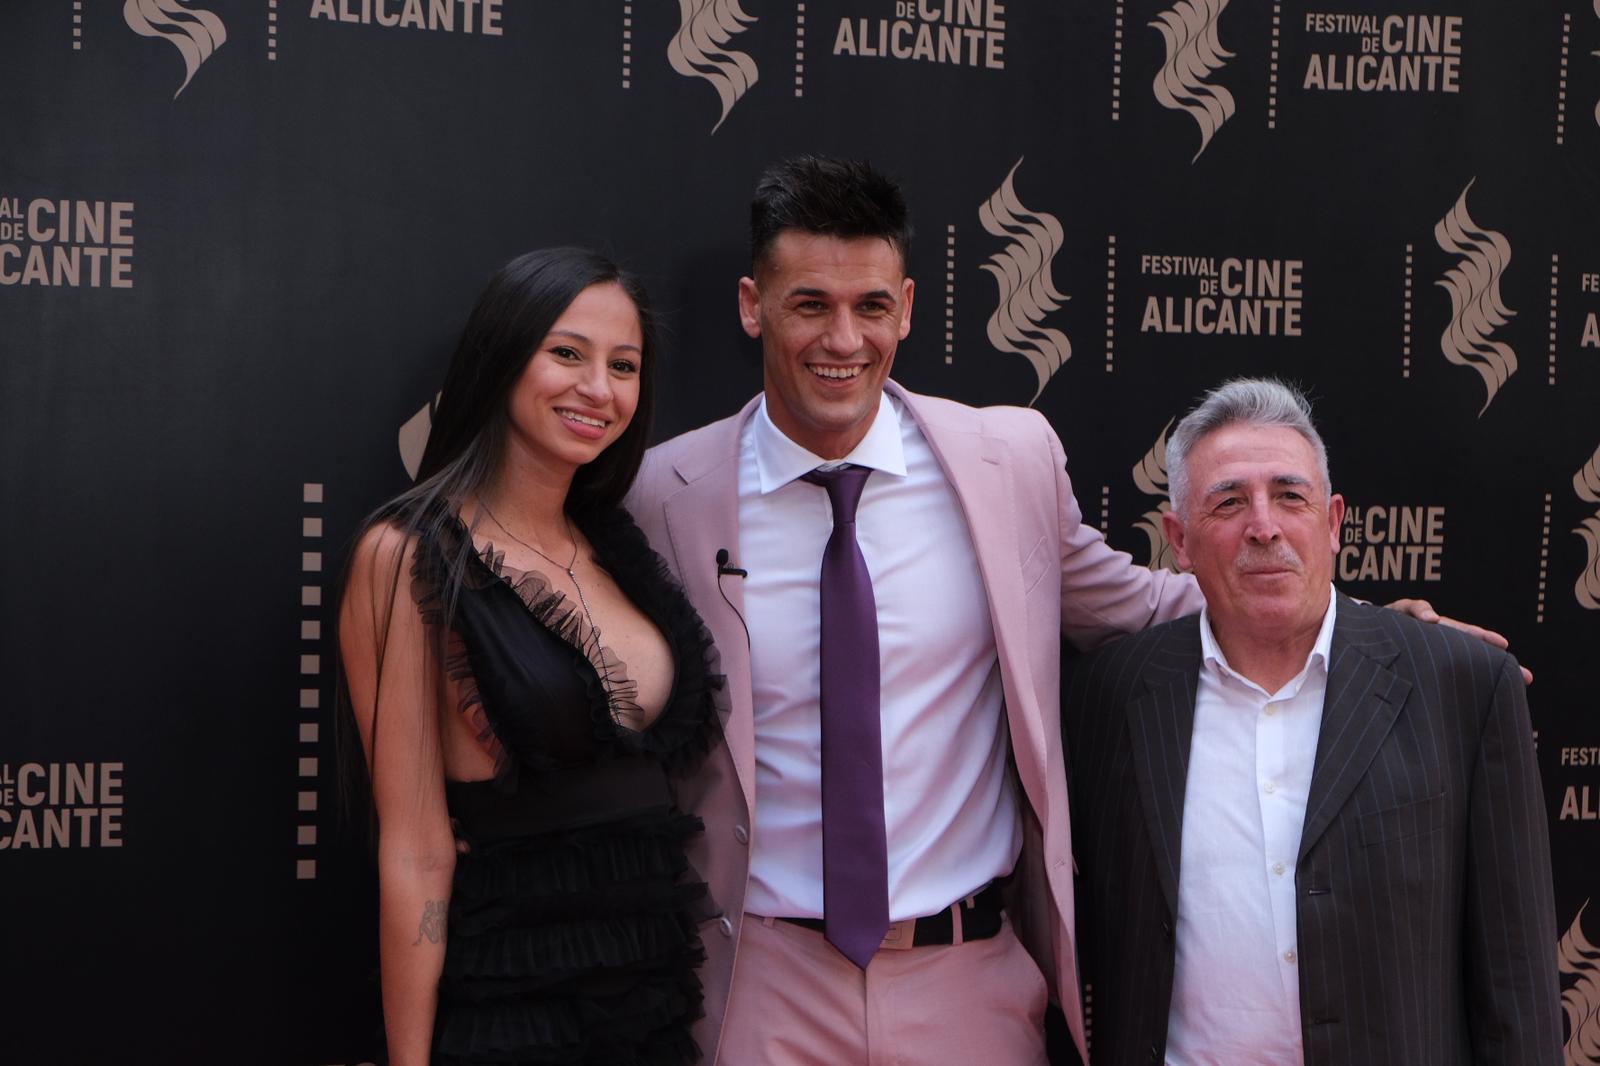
(1426,920)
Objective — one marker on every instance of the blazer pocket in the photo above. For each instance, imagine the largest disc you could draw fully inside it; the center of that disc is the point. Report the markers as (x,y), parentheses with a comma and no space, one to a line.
(1035,564)
(1407,820)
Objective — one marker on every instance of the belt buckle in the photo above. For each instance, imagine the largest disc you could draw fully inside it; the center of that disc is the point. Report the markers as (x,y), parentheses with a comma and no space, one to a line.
(902,935)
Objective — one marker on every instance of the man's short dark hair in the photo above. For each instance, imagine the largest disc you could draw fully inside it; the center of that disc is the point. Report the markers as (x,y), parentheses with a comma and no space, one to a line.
(829,197)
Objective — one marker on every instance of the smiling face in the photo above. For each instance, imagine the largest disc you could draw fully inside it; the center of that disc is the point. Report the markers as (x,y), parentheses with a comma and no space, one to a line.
(580,389)
(829,312)
(1259,530)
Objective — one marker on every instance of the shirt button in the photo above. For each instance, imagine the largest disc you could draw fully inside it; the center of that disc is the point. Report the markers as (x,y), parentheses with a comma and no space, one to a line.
(726,926)
(1288,956)
(741,834)
(1278,868)
(1272,709)
(1269,786)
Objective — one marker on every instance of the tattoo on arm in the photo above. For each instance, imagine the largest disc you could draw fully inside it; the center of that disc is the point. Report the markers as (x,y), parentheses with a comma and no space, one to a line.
(433,921)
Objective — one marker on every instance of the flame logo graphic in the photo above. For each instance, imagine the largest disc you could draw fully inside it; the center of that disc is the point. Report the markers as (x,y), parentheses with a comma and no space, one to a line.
(696,50)
(1586,482)
(1193,54)
(414,437)
(1476,309)
(195,34)
(1022,273)
(1587,588)
(1150,476)
(1579,959)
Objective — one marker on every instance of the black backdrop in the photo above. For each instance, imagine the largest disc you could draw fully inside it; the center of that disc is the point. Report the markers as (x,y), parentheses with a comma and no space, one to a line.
(279,211)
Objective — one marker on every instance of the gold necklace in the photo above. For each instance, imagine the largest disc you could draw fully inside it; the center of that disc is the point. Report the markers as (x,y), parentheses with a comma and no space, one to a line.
(569,567)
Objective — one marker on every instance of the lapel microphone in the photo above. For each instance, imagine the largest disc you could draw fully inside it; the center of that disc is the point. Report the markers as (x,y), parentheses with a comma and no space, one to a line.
(724,570)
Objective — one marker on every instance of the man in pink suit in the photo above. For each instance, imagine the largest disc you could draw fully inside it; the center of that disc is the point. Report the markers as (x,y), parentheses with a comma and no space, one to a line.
(980,563)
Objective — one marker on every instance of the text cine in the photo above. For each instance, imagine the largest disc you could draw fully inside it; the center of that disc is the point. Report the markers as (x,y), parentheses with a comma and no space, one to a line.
(61,805)
(66,242)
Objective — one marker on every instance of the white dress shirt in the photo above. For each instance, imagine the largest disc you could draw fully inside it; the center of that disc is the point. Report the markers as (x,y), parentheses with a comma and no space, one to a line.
(1236,990)
(949,805)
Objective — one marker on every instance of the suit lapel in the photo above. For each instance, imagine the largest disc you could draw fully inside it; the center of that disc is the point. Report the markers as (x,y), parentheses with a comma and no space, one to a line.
(1363,699)
(1160,727)
(979,471)
(702,519)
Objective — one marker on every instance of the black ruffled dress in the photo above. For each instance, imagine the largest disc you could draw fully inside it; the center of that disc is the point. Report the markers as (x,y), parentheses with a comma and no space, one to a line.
(572,933)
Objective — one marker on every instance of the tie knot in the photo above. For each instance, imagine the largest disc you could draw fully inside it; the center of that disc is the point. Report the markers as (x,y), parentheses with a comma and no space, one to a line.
(844,485)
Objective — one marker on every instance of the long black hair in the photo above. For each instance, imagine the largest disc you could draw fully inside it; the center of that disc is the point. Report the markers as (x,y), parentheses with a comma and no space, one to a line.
(467,442)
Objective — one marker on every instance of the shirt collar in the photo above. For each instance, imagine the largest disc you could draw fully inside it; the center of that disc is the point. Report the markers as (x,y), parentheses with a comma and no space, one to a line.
(780,460)
(1211,656)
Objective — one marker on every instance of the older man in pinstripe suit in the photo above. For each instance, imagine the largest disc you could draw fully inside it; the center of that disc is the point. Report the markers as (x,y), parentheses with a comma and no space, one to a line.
(1309,830)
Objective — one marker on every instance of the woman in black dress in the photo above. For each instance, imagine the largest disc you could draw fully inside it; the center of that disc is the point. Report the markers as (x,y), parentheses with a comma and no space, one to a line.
(519,663)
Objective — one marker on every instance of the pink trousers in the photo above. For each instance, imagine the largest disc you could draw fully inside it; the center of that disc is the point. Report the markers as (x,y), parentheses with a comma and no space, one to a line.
(798,1002)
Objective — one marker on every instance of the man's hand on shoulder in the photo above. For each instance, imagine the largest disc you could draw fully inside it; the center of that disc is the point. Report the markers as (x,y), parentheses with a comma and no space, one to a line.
(1423,611)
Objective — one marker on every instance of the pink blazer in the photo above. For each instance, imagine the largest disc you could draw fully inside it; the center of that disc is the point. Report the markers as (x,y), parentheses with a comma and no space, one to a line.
(1048,576)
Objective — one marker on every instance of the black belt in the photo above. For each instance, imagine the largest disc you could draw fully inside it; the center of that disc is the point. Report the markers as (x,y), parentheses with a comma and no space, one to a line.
(979,916)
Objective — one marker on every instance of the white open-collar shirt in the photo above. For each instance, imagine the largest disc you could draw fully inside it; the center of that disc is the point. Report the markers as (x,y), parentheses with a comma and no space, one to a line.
(1236,989)
(949,803)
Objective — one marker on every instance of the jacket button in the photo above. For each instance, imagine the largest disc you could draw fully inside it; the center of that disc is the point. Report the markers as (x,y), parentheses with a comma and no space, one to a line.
(1166,930)
(741,834)
(1155,1053)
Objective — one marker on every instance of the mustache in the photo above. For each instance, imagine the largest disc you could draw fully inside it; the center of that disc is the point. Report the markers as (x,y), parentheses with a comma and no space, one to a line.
(1275,556)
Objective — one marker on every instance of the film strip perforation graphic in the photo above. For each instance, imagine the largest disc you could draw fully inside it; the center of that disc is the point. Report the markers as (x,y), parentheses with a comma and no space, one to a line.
(627,44)
(1116,66)
(1272,68)
(1544,559)
(1111,299)
(799,50)
(272,31)
(1105,510)
(77,25)
(1561,80)
(950,293)
(308,770)
(1088,1016)
(1555,288)
(1405,317)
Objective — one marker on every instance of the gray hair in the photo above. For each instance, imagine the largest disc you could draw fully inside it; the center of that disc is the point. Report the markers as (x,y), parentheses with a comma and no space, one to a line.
(1242,401)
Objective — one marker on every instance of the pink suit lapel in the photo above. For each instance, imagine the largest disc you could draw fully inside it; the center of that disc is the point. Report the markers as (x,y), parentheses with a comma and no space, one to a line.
(702,519)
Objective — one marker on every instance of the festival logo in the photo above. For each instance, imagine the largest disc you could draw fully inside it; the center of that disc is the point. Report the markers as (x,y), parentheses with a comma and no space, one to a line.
(66,243)
(1476,309)
(1579,962)
(1391,542)
(1022,272)
(1373,53)
(1241,296)
(60,805)
(1150,476)
(1194,53)
(482,17)
(1586,483)
(970,33)
(195,34)
(698,49)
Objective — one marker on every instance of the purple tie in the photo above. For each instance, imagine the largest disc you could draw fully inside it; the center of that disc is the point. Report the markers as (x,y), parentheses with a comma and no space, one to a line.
(855,864)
